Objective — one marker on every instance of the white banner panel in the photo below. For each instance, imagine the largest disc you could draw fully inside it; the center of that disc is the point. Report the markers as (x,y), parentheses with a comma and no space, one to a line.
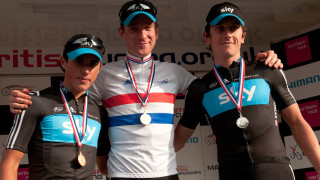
(190,158)
(304,81)
(209,147)
(198,159)
(297,158)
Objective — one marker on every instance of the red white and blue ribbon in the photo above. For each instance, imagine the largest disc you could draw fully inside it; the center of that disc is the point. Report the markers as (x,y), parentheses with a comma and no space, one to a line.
(133,80)
(77,134)
(237,101)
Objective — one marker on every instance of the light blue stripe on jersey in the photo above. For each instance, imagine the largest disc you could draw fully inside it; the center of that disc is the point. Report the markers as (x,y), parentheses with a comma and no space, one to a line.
(58,128)
(256,91)
(133,119)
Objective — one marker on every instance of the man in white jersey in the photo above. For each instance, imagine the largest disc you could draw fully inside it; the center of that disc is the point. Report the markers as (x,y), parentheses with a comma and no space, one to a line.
(139,95)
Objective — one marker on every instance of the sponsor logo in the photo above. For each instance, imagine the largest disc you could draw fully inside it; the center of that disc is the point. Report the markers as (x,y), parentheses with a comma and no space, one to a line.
(227,9)
(211,86)
(275,114)
(212,167)
(178,112)
(57,109)
(217,100)
(7,90)
(127,82)
(184,170)
(97,175)
(40,59)
(211,139)
(304,82)
(251,76)
(296,154)
(23,173)
(136,7)
(225,98)
(313,175)
(165,81)
(69,130)
(92,116)
(193,140)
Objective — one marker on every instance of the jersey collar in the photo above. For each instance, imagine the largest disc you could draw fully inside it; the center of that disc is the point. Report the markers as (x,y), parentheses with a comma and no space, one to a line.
(139,60)
(69,94)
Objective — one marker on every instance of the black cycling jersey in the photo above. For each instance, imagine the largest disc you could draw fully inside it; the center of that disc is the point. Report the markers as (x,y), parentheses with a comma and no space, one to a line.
(44,132)
(265,90)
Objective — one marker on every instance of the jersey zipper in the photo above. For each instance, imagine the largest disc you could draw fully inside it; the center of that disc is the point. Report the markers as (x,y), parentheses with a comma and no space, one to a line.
(77,107)
(243,130)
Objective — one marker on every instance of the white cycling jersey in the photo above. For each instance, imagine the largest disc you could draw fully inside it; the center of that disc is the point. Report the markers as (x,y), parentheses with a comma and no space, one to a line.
(138,150)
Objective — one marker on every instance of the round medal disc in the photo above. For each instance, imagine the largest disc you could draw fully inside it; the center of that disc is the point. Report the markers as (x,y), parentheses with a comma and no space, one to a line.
(145,119)
(81,159)
(242,122)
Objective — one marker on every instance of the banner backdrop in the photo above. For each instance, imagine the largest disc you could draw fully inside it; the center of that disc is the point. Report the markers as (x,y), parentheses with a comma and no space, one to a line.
(30,60)
(304,81)
(300,54)
(198,159)
(297,158)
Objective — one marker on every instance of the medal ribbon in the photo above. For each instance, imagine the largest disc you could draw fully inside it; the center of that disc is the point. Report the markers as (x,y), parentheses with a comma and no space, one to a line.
(237,101)
(133,80)
(77,134)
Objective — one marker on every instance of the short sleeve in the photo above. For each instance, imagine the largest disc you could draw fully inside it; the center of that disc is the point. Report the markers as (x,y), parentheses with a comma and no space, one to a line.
(194,111)
(24,126)
(104,141)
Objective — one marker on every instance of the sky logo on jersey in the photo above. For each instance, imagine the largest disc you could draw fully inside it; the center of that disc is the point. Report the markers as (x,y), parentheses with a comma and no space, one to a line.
(58,128)
(254,92)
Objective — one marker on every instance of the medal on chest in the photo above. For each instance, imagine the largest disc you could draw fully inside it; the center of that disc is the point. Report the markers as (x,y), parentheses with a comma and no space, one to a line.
(242,122)
(144,117)
(79,135)
(81,159)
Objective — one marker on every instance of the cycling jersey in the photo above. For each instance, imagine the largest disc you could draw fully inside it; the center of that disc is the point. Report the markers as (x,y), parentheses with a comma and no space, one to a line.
(138,150)
(44,131)
(265,90)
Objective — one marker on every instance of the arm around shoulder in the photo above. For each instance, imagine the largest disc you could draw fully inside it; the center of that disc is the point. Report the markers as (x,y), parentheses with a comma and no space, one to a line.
(19,100)
(9,164)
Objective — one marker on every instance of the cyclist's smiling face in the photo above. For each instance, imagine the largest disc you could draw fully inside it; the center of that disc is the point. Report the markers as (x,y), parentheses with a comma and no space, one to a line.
(140,36)
(80,73)
(226,38)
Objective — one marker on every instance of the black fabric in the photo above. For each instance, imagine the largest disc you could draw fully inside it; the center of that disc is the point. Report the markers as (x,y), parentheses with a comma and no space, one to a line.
(56,158)
(260,142)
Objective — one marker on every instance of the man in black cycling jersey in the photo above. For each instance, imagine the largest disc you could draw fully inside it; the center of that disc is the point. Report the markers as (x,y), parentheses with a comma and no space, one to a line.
(240,101)
(134,119)
(60,130)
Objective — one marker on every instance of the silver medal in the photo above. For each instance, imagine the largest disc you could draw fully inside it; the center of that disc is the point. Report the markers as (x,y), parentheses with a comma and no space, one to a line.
(242,122)
(145,119)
